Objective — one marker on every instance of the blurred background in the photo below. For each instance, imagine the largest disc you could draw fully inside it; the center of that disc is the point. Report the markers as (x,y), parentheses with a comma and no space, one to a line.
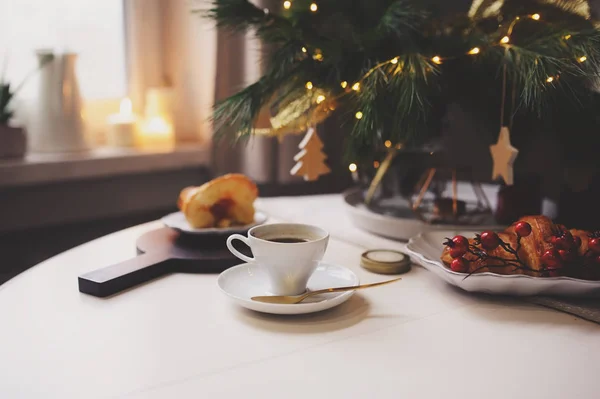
(155,62)
(107,117)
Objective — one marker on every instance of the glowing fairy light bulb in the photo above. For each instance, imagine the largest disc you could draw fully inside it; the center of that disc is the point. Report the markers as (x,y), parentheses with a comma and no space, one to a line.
(344,84)
(582,58)
(313,7)
(352,167)
(387,144)
(320,98)
(549,79)
(536,16)
(309,85)
(436,59)
(287,4)
(358,115)
(567,37)
(474,50)
(304,49)
(505,40)
(394,61)
(356,86)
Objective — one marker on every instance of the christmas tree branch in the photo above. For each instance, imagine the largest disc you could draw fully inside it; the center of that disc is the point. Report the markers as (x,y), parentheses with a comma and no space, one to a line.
(241,15)
(395,97)
(399,19)
(551,60)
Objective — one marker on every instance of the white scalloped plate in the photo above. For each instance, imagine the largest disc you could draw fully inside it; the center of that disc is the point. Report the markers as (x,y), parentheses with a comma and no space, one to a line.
(178,222)
(426,249)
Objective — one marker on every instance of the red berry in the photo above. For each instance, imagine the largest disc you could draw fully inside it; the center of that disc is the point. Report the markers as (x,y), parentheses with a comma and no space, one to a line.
(461,242)
(523,229)
(576,242)
(457,252)
(551,259)
(459,265)
(561,242)
(489,240)
(594,245)
(566,255)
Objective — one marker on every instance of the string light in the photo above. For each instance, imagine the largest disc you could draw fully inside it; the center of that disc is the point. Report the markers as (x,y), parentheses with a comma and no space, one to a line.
(582,58)
(376,164)
(287,4)
(387,144)
(352,167)
(435,59)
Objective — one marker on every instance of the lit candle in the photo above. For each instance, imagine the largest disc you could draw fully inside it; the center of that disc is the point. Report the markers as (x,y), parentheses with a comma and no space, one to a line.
(121,126)
(156,133)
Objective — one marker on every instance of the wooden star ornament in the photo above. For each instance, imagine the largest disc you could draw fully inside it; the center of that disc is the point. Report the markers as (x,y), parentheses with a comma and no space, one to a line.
(504,155)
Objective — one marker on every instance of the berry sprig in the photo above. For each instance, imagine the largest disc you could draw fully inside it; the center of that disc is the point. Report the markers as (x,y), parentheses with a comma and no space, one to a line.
(562,259)
(484,242)
(592,255)
(564,252)
(594,242)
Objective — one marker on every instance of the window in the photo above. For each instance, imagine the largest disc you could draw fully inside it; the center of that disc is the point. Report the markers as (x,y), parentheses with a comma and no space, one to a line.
(94,29)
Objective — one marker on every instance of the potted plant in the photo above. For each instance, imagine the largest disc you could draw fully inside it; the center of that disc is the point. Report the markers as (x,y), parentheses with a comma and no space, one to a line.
(13,142)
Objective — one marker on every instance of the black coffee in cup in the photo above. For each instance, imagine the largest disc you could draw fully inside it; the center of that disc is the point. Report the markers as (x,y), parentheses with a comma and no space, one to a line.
(287,240)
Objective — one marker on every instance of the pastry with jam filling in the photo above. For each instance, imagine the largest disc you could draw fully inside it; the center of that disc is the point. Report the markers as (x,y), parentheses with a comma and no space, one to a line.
(225,201)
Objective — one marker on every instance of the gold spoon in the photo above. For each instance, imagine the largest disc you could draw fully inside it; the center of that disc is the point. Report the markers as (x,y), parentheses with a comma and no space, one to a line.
(291,299)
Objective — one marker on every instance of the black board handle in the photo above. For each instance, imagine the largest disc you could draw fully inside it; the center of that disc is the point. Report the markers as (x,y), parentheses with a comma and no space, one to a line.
(121,276)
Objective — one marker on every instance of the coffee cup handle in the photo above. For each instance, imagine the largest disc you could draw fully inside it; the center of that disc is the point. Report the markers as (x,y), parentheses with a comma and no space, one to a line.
(234,251)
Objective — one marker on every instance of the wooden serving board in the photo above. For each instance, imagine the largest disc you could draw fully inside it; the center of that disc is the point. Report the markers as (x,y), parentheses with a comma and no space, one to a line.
(160,252)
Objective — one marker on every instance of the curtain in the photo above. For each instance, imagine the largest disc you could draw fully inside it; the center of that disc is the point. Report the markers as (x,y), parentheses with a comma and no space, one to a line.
(264,159)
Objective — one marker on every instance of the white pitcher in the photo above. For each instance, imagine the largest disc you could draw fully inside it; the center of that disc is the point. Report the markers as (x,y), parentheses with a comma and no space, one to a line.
(56,123)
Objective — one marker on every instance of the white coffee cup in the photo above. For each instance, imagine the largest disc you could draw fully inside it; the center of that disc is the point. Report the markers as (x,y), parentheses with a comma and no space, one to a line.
(288,264)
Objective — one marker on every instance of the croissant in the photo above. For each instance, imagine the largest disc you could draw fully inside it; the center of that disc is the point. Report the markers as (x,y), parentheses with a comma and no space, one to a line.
(221,202)
(540,253)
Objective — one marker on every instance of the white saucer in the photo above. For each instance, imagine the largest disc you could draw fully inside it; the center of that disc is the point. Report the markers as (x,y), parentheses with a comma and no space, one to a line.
(244,281)
(178,222)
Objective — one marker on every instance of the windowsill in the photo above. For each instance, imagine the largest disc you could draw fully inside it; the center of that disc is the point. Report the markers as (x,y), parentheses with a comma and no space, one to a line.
(97,163)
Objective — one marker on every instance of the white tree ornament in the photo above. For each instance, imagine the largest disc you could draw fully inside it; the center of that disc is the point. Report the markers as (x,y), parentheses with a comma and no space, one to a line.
(311,160)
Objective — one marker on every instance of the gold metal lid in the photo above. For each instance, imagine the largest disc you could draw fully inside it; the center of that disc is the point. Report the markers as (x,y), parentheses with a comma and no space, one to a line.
(385,261)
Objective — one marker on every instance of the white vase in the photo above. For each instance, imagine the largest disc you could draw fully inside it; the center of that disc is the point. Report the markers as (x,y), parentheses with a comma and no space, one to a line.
(56,123)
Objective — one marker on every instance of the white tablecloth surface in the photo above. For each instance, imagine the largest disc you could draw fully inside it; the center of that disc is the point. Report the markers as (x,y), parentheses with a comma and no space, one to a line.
(179,337)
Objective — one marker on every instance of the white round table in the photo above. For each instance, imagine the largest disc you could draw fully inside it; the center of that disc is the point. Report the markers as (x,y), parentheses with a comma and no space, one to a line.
(179,337)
